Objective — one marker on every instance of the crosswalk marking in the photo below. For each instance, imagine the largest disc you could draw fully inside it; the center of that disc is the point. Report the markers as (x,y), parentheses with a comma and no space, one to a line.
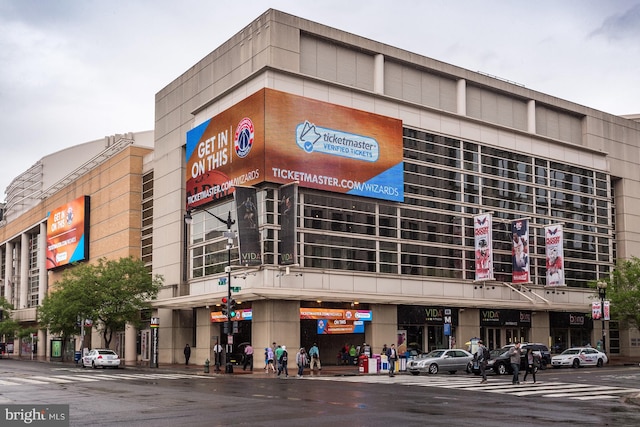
(547,389)
(54,379)
(28,380)
(79,378)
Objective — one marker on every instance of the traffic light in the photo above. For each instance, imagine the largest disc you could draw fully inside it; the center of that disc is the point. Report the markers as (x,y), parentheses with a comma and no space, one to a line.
(225,306)
(232,308)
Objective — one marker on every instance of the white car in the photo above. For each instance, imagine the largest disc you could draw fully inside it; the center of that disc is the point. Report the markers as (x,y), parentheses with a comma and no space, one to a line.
(450,360)
(579,356)
(101,357)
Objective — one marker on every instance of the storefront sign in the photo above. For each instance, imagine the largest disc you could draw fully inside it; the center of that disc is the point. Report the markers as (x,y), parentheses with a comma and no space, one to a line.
(340,326)
(420,315)
(563,320)
(335,313)
(503,317)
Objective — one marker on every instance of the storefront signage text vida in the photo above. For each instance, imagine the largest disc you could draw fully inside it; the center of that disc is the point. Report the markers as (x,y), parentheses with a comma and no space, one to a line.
(438,314)
(494,316)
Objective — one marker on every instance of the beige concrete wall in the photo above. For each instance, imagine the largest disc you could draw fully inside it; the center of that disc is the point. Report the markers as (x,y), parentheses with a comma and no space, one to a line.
(275,321)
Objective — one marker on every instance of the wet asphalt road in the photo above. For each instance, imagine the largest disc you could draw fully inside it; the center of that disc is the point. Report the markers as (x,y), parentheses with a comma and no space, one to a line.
(144,397)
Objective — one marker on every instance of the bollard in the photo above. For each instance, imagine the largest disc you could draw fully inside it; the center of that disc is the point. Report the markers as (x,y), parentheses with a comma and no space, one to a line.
(206,366)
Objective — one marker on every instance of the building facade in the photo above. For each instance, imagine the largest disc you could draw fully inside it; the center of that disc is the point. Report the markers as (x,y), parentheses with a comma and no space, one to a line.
(79,204)
(469,144)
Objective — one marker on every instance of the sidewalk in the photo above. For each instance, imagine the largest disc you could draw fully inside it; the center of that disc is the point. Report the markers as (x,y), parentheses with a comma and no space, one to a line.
(258,372)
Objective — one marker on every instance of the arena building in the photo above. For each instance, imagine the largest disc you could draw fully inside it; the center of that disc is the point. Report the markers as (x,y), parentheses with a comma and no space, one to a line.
(94,192)
(394,155)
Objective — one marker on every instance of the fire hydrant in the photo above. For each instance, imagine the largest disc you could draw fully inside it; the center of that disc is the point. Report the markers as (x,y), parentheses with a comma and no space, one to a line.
(206,366)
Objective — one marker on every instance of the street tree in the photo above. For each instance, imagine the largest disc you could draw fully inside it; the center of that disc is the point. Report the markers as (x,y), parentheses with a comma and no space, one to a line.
(111,293)
(8,326)
(623,292)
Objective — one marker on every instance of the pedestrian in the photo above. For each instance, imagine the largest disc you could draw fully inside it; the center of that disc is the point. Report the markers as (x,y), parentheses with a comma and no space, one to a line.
(278,355)
(301,361)
(345,354)
(314,354)
(482,357)
(187,354)
(515,354)
(248,358)
(352,355)
(533,363)
(384,349)
(270,365)
(283,362)
(392,355)
(217,356)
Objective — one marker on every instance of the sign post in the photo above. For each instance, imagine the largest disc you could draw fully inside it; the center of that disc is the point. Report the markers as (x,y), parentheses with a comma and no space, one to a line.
(155,324)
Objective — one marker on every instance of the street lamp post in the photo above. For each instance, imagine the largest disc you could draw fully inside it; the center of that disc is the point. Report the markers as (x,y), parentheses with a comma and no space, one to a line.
(229,235)
(602,293)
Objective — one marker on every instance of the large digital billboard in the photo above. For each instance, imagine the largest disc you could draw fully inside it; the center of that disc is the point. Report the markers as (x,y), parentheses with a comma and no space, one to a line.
(278,137)
(68,233)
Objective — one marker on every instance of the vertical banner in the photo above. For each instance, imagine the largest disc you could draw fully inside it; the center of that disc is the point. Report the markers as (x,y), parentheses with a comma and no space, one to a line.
(553,240)
(483,227)
(287,246)
(606,311)
(248,232)
(520,251)
(596,310)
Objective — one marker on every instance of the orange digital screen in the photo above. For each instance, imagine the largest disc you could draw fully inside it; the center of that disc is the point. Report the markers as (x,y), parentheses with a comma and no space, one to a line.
(68,233)
(279,137)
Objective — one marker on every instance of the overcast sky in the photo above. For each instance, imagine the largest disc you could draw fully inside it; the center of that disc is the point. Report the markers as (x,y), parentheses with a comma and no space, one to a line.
(73,71)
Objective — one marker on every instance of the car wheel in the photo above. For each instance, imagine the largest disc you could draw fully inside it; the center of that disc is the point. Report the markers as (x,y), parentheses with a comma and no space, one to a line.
(501,369)
(93,365)
(600,363)
(415,373)
(575,364)
(433,369)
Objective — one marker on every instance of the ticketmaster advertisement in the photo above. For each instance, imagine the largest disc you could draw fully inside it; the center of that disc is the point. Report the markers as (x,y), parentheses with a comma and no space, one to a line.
(278,137)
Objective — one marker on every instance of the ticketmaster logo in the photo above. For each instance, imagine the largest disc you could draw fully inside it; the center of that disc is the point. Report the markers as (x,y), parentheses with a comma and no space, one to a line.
(312,138)
(34,415)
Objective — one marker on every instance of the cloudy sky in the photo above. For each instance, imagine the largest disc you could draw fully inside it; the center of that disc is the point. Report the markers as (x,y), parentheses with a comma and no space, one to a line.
(73,71)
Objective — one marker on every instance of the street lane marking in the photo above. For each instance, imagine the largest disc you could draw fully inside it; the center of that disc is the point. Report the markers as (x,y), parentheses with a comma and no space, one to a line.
(79,378)
(549,389)
(54,379)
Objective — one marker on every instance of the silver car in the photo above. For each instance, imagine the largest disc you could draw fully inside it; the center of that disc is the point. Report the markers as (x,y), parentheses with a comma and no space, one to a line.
(450,360)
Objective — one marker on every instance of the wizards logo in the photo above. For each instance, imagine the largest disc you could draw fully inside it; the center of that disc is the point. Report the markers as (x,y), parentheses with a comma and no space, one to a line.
(552,231)
(481,221)
(243,140)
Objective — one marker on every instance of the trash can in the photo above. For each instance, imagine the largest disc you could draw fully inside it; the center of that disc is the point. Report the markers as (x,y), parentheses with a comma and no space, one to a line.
(373,365)
(363,364)
(384,364)
(403,364)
